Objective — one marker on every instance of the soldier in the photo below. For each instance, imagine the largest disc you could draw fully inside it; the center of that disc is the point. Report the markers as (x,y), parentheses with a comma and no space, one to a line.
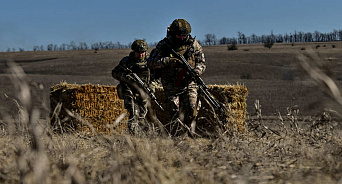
(179,88)
(135,101)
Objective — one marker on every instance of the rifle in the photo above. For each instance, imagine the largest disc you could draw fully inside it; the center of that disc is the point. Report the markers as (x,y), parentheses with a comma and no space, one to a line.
(198,80)
(143,85)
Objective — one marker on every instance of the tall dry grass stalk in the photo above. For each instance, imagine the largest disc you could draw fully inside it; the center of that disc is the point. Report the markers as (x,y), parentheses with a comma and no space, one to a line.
(311,64)
(33,164)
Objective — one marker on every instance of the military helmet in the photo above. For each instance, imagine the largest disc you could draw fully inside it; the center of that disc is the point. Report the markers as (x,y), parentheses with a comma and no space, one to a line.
(180,27)
(139,46)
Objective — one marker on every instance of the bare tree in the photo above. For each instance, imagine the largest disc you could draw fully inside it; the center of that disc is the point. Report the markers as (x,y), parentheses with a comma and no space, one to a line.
(317,36)
(253,38)
(49,47)
(269,42)
(35,48)
(223,41)
(210,39)
(308,37)
(340,34)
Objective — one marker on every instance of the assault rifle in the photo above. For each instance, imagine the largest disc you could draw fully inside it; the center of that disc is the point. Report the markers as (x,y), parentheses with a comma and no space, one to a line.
(198,80)
(144,86)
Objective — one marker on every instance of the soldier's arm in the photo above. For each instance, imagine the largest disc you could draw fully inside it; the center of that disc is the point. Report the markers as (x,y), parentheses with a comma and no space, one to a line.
(156,59)
(120,73)
(200,64)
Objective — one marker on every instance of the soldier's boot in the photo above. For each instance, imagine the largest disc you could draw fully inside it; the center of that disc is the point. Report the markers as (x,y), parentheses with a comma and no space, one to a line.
(178,126)
(134,126)
(195,106)
(137,124)
(130,107)
(192,128)
(130,123)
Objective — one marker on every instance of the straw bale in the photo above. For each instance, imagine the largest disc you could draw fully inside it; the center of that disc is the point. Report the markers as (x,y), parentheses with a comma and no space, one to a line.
(96,105)
(234,97)
(100,106)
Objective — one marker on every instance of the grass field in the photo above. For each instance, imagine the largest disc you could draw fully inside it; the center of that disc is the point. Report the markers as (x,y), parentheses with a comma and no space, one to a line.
(271,75)
(280,146)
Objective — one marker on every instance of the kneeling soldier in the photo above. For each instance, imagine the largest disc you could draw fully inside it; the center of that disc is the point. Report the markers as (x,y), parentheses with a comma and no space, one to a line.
(135,101)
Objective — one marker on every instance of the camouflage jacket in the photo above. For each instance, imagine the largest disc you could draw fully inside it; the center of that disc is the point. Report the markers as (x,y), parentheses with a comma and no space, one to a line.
(174,77)
(133,64)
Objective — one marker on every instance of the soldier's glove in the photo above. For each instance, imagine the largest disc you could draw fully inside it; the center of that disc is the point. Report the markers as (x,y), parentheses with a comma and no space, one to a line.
(174,62)
(198,71)
(129,78)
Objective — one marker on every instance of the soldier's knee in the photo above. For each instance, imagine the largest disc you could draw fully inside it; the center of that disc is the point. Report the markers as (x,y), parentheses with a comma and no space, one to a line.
(123,90)
(172,103)
(119,91)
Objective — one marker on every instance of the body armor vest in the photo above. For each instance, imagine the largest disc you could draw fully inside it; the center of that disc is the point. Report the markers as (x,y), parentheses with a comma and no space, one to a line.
(140,68)
(187,51)
(179,73)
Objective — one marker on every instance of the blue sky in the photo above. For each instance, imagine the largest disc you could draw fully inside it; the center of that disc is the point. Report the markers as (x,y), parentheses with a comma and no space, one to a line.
(25,23)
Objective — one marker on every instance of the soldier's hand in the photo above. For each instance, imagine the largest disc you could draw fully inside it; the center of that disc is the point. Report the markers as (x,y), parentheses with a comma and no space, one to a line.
(176,62)
(197,71)
(170,61)
(129,77)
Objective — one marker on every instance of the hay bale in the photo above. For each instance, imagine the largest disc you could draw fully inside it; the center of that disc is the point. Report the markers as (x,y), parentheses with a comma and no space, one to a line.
(100,106)
(96,105)
(234,97)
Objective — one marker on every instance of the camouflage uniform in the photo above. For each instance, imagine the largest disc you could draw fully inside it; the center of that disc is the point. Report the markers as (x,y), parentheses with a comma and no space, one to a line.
(155,75)
(134,101)
(179,88)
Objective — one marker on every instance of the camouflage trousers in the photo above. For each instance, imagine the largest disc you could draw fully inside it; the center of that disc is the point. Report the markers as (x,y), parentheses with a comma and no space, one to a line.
(183,105)
(134,103)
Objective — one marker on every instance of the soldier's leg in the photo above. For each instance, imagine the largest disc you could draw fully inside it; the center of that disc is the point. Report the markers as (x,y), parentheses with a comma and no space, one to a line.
(191,106)
(180,125)
(172,106)
(182,107)
(125,93)
(142,111)
(134,123)
(129,106)
(142,106)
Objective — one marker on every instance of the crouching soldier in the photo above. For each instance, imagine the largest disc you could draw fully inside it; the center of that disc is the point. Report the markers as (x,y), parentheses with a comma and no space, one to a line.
(180,89)
(135,100)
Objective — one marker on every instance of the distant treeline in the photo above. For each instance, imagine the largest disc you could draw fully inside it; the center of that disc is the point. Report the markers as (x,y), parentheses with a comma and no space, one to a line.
(209,39)
(336,35)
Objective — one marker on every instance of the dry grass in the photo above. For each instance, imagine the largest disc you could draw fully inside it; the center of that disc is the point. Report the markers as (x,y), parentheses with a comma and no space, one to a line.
(286,150)
(311,157)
